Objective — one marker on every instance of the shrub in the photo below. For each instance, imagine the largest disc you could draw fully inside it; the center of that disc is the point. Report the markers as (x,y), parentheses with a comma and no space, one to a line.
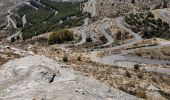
(132,1)
(165,79)
(88,39)
(164,4)
(140,75)
(128,74)
(65,58)
(139,54)
(12,39)
(159,22)
(155,79)
(141,94)
(60,36)
(136,67)
(118,35)
(150,15)
(79,58)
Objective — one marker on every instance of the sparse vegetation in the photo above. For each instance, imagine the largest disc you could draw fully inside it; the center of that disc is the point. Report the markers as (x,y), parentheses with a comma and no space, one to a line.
(148,26)
(162,53)
(162,4)
(136,76)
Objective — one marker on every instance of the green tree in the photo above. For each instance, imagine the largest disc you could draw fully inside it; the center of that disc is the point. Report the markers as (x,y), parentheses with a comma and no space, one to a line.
(60,36)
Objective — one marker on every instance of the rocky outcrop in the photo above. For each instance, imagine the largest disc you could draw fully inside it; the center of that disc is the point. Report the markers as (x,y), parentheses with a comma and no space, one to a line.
(40,78)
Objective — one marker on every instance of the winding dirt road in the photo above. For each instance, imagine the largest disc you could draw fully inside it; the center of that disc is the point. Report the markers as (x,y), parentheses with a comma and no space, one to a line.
(111,59)
(102,29)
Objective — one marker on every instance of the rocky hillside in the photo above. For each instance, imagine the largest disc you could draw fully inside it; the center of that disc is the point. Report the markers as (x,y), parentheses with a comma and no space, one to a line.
(121,7)
(34,77)
(55,51)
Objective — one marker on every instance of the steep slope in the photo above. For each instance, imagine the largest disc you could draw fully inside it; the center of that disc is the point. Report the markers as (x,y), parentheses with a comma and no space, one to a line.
(37,78)
(121,7)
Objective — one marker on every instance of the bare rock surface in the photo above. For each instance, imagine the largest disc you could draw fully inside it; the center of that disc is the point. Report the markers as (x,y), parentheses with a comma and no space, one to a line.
(40,78)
